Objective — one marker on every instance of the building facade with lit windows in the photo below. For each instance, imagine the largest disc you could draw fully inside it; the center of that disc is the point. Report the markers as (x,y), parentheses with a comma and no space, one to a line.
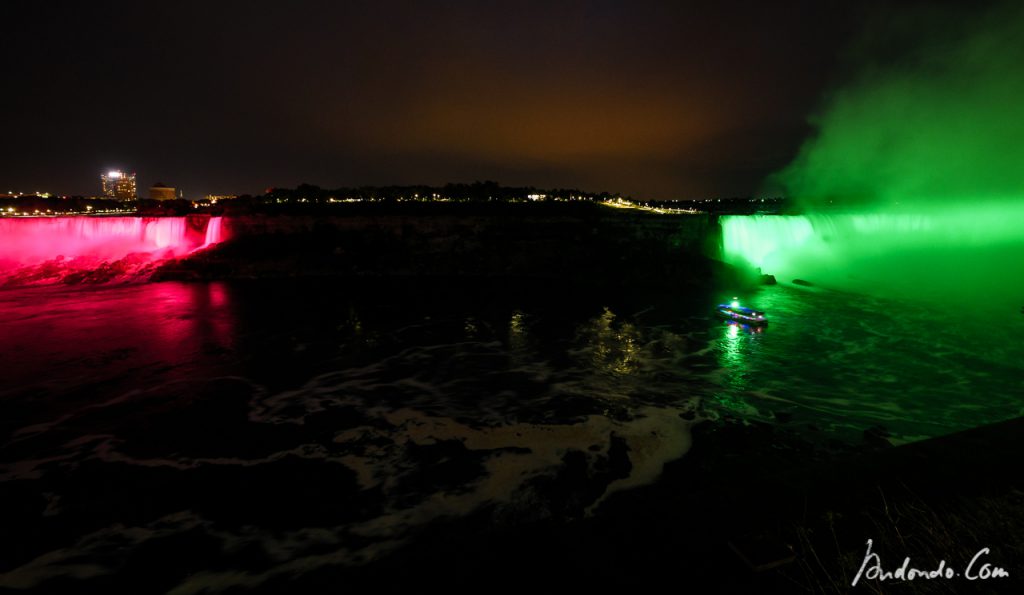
(119,185)
(162,192)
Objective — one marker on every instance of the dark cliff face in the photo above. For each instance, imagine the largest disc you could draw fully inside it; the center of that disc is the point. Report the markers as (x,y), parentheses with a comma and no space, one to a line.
(601,247)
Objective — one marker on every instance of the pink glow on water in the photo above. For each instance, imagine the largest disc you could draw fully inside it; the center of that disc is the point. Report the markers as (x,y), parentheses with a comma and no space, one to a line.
(59,333)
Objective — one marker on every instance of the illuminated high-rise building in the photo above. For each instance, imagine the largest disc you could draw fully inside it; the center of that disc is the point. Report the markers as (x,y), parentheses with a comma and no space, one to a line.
(119,185)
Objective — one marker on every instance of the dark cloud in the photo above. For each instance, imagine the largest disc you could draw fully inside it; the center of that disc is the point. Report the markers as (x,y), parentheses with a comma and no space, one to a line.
(651,99)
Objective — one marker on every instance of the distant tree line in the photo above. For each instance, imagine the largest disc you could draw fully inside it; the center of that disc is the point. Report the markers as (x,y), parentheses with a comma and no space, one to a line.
(736,205)
(314,199)
(476,191)
(30,205)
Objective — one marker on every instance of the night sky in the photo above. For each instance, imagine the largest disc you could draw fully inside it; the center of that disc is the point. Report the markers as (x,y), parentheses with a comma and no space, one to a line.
(653,100)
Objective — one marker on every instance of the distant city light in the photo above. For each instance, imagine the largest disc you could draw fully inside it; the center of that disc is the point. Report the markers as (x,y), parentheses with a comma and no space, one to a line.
(114,174)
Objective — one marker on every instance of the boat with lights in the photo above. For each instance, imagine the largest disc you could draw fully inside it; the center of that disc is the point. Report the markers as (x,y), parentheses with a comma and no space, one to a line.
(734,311)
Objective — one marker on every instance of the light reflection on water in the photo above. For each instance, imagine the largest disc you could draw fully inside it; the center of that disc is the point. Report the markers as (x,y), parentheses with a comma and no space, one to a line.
(86,335)
(855,361)
(383,411)
(852,361)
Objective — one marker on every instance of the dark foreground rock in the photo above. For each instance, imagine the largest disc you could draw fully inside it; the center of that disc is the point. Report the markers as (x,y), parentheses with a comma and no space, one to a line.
(941,499)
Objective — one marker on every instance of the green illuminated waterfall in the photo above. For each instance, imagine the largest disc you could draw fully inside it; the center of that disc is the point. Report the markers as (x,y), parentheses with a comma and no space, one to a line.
(962,253)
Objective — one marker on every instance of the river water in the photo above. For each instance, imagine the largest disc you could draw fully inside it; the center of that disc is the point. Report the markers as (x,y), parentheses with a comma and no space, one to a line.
(263,429)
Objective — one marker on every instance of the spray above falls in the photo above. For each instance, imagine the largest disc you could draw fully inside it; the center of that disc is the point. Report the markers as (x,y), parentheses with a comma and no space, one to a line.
(913,184)
(939,121)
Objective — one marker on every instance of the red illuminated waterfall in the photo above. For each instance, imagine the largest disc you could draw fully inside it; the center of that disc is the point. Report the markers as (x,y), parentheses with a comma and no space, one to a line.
(214,232)
(48,249)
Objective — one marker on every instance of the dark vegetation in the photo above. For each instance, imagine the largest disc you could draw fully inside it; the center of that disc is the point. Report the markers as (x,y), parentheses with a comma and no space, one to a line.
(477,197)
